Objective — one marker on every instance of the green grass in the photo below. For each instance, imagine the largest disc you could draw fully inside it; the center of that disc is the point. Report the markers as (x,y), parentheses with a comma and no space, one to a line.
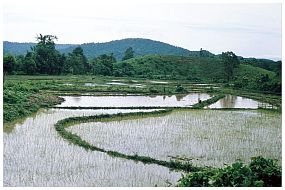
(23,98)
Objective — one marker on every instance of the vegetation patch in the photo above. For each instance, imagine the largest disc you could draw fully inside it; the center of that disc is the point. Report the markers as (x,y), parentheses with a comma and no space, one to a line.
(22,99)
(259,172)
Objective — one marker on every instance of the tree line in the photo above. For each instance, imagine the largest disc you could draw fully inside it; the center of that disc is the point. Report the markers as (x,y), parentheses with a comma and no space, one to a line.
(45,59)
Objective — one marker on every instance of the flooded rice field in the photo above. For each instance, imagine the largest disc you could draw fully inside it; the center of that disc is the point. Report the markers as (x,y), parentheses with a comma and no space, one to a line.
(35,155)
(208,137)
(232,101)
(134,101)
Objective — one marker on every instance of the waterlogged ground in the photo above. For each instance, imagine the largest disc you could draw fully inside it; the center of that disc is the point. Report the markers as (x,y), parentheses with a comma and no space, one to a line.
(134,101)
(208,137)
(232,101)
(35,155)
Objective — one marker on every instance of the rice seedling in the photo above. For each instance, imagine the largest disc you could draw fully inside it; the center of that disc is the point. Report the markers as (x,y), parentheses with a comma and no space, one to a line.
(35,155)
(209,137)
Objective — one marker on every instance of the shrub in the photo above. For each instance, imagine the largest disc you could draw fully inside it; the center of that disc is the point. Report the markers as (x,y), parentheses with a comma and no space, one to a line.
(180,88)
(260,172)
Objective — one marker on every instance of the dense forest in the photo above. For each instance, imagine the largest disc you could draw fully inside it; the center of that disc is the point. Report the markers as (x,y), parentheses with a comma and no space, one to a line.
(45,58)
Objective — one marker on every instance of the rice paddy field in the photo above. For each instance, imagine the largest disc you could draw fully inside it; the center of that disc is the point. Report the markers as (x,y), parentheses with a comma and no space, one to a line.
(206,137)
(215,133)
(35,155)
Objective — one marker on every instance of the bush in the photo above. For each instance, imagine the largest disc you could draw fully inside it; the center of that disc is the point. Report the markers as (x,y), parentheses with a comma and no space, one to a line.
(260,172)
(180,88)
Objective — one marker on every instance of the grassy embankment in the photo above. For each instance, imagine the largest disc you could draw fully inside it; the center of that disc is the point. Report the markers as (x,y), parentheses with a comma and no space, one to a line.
(77,140)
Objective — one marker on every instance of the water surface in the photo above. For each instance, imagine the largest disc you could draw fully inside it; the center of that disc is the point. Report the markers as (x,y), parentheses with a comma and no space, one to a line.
(232,101)
(134,101)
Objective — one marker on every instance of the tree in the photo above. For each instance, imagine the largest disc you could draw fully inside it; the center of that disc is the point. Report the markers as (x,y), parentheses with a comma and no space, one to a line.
(123,69)
(279,69)
(29,64)
(129,53)
(76,62)
(8,64)
(46,39)
(103,65)
(78,52)
(47,58)
(230,61)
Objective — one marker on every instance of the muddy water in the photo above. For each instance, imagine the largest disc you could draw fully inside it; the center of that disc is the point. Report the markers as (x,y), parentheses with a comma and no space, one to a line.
(134,101)
(232,101)
(35,155)
(208,137)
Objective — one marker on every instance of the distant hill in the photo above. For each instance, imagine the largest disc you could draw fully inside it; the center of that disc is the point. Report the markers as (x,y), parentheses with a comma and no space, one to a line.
(117,47)
(140,46)
(16,48)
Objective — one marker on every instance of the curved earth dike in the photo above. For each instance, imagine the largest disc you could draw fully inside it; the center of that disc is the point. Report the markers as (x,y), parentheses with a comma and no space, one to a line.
(77,140)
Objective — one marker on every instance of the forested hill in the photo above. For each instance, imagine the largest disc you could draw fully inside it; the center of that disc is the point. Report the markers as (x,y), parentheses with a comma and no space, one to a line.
(16,48)
(117,47)
(140,46)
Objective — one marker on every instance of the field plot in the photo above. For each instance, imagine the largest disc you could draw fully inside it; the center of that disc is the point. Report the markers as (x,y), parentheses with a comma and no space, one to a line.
(35,155)
(207,137)
(232,101)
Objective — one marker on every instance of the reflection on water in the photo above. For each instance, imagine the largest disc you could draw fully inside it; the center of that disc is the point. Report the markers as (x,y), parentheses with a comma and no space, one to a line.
(158,82)
(134,101)
(179,97)
(232,101)
(94,84)
(116,83)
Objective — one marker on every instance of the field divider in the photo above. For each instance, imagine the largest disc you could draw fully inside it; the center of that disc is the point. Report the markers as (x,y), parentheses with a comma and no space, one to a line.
(61,126)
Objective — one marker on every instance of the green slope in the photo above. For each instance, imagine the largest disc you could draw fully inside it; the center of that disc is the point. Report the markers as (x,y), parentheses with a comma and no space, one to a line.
(205,69)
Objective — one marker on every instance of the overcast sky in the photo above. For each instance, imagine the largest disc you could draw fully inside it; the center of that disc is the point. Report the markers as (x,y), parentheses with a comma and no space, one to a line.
(250,30)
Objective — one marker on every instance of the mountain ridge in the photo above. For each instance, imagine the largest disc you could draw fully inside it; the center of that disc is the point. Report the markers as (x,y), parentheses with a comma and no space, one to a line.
(141,46)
